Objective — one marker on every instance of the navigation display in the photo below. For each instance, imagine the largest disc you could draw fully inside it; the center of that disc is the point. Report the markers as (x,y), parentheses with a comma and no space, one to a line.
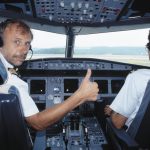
(70,85)
(37,86)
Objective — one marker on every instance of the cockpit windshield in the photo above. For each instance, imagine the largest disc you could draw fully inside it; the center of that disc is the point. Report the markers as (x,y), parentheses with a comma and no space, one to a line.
(124,46)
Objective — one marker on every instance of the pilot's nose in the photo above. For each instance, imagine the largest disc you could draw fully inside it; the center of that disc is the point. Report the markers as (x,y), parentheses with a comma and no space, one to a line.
(24,49)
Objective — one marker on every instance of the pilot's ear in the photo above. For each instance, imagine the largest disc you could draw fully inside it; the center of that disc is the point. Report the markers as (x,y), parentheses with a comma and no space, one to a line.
(3,26)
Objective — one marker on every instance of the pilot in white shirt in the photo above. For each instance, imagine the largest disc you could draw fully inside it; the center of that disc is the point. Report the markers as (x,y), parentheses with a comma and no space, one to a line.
(15,43)
(129,99)
(28,105)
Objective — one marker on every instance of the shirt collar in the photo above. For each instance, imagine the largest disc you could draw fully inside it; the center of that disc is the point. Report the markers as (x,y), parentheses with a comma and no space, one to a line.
(5,62)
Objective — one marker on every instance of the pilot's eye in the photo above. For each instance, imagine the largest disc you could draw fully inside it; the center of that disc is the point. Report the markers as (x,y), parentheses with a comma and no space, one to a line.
(17,42)
(28,44)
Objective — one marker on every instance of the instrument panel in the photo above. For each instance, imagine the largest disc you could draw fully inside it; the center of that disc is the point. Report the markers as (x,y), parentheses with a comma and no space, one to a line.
(52,81)
(75,64)
(55,80)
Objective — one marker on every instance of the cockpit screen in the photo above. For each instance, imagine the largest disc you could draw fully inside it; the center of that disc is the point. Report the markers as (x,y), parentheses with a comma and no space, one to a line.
(116,85)
(37,87)
(103,86)
(70,85)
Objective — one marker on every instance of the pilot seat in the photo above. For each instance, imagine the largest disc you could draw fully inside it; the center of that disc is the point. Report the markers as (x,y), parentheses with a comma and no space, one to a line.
(14,133)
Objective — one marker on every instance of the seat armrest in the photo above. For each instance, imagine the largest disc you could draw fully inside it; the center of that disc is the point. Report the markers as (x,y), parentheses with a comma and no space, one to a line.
(119,137)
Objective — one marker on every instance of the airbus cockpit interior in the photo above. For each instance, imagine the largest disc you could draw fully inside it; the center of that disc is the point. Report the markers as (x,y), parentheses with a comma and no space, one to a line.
(52,80)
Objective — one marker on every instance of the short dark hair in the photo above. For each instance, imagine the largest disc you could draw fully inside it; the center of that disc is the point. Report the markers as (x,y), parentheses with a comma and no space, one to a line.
(20,24)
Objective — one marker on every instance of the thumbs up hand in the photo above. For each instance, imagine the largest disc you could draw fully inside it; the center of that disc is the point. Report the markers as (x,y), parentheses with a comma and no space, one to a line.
(88,90)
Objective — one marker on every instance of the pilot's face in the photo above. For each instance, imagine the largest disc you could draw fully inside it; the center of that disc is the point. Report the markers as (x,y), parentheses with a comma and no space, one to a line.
(16,44)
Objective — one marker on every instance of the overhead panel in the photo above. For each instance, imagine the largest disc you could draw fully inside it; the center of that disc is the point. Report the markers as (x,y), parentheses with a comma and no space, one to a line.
(79,11)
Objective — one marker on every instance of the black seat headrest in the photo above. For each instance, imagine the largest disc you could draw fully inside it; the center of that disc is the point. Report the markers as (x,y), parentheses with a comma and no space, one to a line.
(3,73)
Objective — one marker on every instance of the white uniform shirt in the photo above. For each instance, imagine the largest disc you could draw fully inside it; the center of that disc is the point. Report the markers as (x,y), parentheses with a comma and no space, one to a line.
(28,105)
(128,100)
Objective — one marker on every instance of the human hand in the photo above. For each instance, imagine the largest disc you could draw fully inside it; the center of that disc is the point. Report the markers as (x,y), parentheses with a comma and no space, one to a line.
(107,110)
(88,90)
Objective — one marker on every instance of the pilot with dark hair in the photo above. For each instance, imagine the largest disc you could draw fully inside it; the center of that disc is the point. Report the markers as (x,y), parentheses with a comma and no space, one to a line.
(15,43)
(126,104)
